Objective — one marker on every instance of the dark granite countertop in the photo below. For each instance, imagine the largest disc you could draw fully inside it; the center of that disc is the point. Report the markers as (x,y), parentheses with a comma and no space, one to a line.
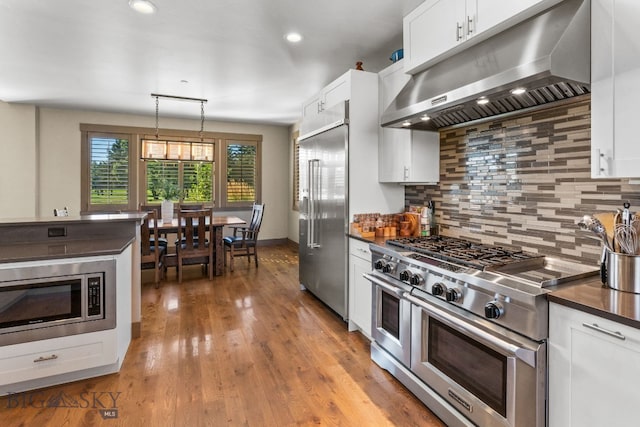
(377,240)
(591,297)
(45,238)
(91,218)
(62,249)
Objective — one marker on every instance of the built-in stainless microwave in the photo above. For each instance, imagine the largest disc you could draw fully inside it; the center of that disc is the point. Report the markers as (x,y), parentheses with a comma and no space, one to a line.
(49,301)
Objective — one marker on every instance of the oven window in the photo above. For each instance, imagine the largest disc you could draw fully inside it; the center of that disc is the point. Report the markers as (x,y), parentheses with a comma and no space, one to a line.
(480,370)
(32,304)
(390,314)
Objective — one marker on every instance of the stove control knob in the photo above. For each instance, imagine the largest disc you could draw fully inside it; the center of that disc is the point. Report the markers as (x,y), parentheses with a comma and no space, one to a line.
(389,267)
(493,310)
(416,280)
(438,289)
(379,264)
(406,276)
(453,294)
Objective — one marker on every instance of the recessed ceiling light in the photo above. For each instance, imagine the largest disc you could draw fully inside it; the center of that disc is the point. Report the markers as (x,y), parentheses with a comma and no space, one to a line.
(482,100)
(407,123)
(518,91)
(293,37)
(142,6)
(425,117)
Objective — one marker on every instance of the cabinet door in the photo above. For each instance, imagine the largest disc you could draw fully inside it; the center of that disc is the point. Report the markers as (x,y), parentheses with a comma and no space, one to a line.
(430,30)
(593,375)
(615,72)
(483,15)
(311,107)
(425,157)
(360,307)
(394,149)
(337,91)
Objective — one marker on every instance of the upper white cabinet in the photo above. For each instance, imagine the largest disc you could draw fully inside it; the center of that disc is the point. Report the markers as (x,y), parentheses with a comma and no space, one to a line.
(594,370)
(615,73)
(405,156)
(440,28)
(337,91)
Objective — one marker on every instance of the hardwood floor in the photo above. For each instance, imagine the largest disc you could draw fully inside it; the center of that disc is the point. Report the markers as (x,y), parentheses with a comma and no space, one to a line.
(247,349)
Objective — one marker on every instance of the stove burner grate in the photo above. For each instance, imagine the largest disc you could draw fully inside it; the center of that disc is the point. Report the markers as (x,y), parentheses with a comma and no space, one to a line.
(463,252)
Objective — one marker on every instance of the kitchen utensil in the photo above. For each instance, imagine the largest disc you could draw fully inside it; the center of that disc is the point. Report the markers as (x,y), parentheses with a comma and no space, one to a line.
(594,225)
(607,219)
(626,238)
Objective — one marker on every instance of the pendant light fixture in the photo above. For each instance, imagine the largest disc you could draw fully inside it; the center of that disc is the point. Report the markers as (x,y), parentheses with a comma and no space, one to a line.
(162,149)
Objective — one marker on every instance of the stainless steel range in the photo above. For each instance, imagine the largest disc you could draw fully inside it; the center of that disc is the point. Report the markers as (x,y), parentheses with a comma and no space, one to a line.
(464,326)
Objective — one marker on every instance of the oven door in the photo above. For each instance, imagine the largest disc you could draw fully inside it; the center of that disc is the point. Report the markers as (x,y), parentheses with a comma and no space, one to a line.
(391,318)
(491,375)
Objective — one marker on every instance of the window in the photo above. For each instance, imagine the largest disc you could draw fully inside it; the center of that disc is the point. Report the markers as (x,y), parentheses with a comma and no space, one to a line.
(242,166)
(108,184)
(115,177)
(179,181)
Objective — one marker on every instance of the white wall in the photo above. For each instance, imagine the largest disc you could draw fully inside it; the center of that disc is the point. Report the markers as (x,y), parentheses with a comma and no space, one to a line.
(18,162)
(59,158)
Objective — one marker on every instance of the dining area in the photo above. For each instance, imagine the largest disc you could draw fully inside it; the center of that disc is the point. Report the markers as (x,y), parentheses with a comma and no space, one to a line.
(196,236)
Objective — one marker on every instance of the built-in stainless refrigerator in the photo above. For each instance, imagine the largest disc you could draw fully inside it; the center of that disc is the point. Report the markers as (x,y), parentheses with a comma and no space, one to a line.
(323,158)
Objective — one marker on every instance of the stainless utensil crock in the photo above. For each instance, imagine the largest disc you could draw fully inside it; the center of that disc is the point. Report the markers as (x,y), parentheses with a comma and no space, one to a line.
(622,272)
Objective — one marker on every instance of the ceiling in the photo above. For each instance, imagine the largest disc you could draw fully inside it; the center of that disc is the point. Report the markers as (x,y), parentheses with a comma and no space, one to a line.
(101,55)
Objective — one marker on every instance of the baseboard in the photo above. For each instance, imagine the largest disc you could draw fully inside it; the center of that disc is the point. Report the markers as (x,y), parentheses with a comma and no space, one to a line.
(136,329)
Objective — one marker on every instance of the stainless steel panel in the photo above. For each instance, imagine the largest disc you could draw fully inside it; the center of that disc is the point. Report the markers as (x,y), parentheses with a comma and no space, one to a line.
(548,55)
(323,216)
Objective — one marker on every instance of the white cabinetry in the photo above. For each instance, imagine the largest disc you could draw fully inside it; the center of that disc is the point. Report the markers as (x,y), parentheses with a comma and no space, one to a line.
(594,370)
(43,363)
(615,73)
(359,287)
(439,28)
(337,91)
(405,156)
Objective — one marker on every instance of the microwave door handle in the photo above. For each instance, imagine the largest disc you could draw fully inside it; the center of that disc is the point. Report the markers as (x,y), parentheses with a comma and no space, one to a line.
(526,355)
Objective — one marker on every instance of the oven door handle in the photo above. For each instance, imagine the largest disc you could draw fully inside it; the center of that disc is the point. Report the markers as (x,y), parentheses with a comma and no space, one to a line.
(526,355)
(373,279)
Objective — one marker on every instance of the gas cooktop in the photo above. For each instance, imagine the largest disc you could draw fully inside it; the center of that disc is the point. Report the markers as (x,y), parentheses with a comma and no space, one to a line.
(466,253)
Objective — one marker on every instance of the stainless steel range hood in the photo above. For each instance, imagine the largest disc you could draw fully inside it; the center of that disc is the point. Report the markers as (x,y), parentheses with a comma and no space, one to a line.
(549,55)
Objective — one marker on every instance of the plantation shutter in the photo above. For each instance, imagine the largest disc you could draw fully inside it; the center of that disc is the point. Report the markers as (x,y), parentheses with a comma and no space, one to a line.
(109,171)
(241,172)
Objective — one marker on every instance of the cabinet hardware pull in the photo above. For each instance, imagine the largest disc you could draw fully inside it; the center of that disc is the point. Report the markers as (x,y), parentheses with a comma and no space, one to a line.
(595,327)
(458,32)
(469,25)
(600,156)
(44,359)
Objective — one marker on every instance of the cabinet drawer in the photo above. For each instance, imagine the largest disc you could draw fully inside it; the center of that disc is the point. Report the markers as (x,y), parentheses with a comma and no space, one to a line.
(359,249)
(54,360)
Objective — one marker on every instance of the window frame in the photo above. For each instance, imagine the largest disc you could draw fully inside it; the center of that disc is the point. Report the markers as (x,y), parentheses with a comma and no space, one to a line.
(85,171)
(137,171)
(224,202)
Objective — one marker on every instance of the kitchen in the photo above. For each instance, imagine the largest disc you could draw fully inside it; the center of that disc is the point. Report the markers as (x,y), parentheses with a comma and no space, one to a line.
(538,214)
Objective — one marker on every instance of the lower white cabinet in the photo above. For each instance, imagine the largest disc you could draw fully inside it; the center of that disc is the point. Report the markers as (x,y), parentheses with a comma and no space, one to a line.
(594,370)
(359,287)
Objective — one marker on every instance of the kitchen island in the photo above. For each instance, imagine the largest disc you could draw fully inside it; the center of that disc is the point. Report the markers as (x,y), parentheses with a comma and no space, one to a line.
(69,297)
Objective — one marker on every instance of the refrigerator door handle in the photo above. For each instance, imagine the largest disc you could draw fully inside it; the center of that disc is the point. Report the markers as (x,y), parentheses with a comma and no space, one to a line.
(313,199)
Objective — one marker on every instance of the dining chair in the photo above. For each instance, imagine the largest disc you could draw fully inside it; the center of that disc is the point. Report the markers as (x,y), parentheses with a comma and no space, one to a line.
(152,255)
(244,241)
(195,240)
(162,237)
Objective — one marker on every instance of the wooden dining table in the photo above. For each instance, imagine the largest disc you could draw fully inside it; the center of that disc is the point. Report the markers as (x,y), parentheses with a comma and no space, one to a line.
(219,222)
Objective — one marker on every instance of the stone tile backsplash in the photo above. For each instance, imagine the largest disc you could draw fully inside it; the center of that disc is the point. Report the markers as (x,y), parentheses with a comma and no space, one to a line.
(524,181)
